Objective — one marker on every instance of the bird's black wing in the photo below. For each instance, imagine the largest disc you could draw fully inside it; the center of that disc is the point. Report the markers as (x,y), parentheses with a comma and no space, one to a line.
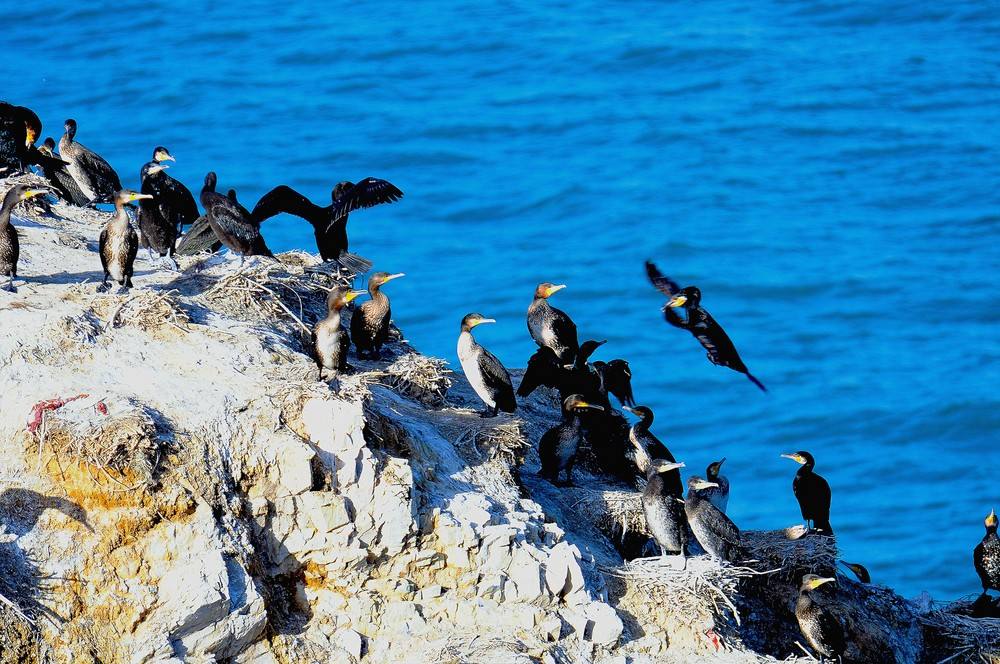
(285,199)
(543,369)
(100,170)
(564,329)
(367,193)
(662,282)
(979,560)
(831,630)
(180,201)
(200,237)
(496,376)
(102,241)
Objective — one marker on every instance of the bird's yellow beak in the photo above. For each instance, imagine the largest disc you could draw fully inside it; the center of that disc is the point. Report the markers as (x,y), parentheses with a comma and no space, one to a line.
(158,168)
(991,520)
(584,404)
(677,301)
(164,156)
(31,193)
(29,137)
(480,321)
(135,197)
(354,294)
(393,276)
(554,289)
(794,457)
(816,583)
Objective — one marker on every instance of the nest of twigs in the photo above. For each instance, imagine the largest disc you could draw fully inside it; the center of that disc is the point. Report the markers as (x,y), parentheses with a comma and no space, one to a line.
(962,638)
(423,378)
(616,513)
(507,442)
(147,311)
(268,290)
(794,550)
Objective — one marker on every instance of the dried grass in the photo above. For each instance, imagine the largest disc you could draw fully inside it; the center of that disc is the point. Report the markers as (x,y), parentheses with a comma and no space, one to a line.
(147,311)
(791,550)
(265,291)
(507,443)
(964,638)
(615,512)
(423,378)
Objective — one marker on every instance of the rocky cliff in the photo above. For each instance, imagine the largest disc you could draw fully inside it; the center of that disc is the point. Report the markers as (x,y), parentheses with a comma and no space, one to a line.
(177,485)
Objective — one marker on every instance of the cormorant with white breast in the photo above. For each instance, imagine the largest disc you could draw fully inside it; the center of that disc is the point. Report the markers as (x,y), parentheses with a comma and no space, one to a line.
(551,327)
(812,491)
(719,348)
(54,170)
(818,624)
(664,508)
(986,556)
(10,248)
(485,373)
(119,242)
(559,445)
(715,531)
(330,339)
(370,323)
(230,222)
(717,495)
(95,177)
(330,222)
(177,201)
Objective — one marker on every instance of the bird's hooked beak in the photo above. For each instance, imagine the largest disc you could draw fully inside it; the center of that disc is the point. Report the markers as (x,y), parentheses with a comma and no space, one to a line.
(677,301)
(554,289)
(704,485)
(794,457)
(991,520)
(31,193)
(721,461)
(393,276)
(584,404)
(816,583)
(352,294)
(156,168)
(133,196)
(163,155)
(668,465)
(480,321)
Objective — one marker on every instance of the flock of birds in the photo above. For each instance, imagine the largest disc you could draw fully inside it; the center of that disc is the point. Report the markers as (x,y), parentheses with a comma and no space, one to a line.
(589,428)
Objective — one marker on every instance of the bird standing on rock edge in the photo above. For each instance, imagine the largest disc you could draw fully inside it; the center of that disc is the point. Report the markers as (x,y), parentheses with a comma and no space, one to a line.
(330,340)
(370,323)
(119,243)
(821,628)
(485,373)
(551,327)
(231,223)
(812,491)
(558,446)
(663,507)
(715,531)
(95,177)
(10,248)
(986,556)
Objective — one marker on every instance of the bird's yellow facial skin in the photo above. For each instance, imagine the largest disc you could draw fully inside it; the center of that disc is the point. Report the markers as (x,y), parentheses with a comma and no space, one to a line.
(677,301)
(164,156)
(705,485)
(351,295)
(664,467)
(386,280)
(480,321)
(816,583)
(30,137)
(133,196)
(31,193)
(991,520)
(554,289)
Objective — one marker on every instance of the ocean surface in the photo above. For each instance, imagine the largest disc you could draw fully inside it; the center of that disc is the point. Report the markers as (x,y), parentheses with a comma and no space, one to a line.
(827,172)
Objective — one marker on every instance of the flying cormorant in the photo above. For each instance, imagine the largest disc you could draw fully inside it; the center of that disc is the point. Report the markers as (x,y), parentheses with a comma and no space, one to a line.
(10,249)
(812,492)
(119,242)
(551,327)
(330,340)
(230,222)
(559,445)
(370,323)
(987,555)
(719,347)
(95,177)
(664,508)
(717,495)
(330,222)
(821,627)
(716,533)
(485,373)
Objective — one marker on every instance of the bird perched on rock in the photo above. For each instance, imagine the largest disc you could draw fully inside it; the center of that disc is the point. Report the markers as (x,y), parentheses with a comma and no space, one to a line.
(10,248)
(119,242)
(812,491)
(370,323)
(986,556)
(559,445)
(487,376)
(330,339)
(231,222)
(663,507)
(717,495)
(54,170)
(818,624)
(550,327)
(719,348)
(716,533)
(95,177)
(644,442)
(175,199)
(19,129)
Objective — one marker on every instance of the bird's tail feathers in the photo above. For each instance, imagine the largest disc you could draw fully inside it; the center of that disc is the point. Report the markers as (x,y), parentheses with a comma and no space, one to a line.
(753,379)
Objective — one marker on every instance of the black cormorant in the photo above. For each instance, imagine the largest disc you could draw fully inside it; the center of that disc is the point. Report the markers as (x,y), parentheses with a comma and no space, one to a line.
(543,369)
(119,242)
(95,177)
(175,200)
(330,222)
(617,378)
(10,248)
(859,570)
(54,170)
(370,323)
(583,378)
(821,627)
(719,347)
(717,495)
(230,222)
(664,508)
(645,442)
(716,533)
(812,492)
(19,129)
(551,327)
(330,339)
(559,445)
(987,555)
(485,373)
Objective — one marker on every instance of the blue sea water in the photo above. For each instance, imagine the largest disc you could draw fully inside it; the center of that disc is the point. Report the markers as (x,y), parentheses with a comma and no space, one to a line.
(827,172)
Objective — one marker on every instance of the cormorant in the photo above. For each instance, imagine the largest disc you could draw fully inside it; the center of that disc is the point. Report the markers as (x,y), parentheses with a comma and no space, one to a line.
(10,248)
(551,327)
(54,170)
(95,177)
(719,347)
(330,222)
(119,242)
(230,222)
(821,628)
(859,570)
(645,442)
(717,495)
(330,340)
(485,373)
(176,200)
(716,533)
(987,555)
(584,378)
(812,492)
(19,129)
(617,377)
(370,323)
(663,507)
(543,369)
(559,445)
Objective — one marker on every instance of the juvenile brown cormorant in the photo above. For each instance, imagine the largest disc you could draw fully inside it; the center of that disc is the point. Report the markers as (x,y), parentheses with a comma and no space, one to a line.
(175,200)
(859,570)
(717,495)
(485,373)
(663,507)
(551,327)
(821,627)
(716,533)
(812,492)
(54,170)
(230,222)
(370,323)
(645,442)
(330,340)
(119,242)
(559,445)
(330,222)
(986,557)
(720,349)
(95,177)
(10,249)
